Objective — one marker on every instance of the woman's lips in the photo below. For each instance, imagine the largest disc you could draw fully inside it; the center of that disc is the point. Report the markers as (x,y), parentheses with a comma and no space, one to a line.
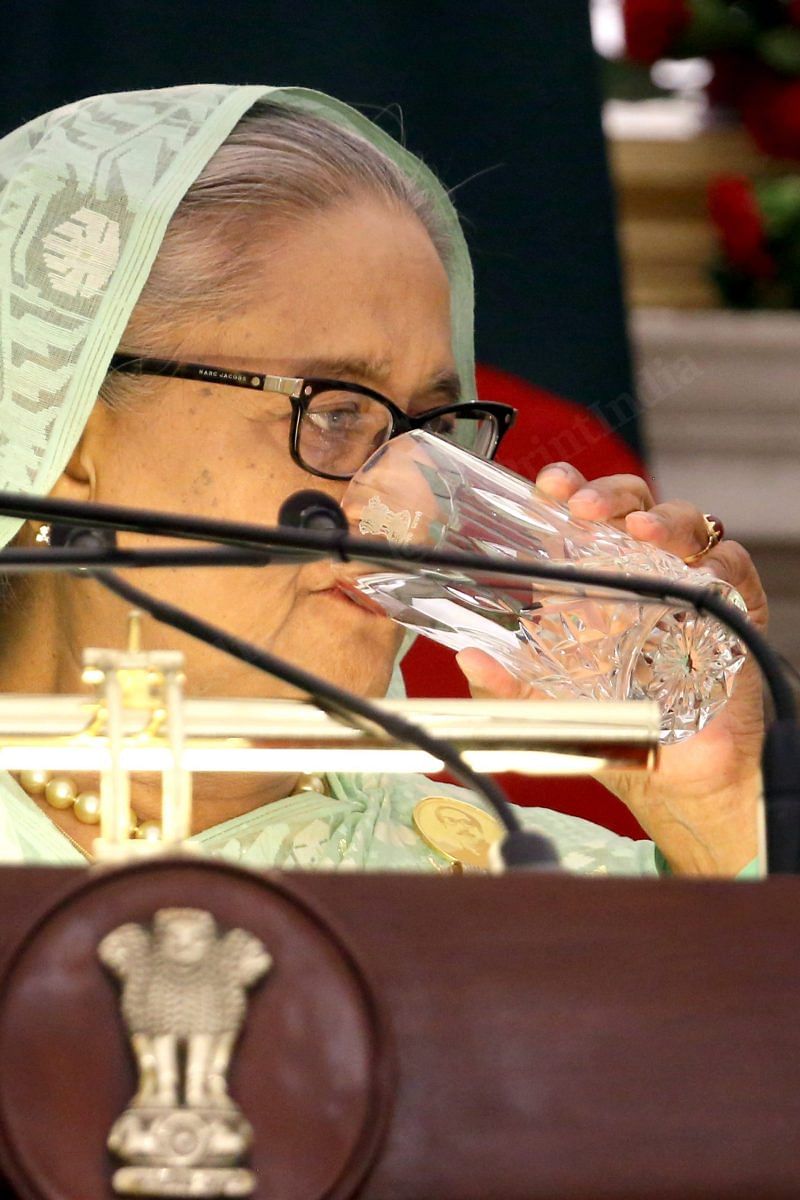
(350,595)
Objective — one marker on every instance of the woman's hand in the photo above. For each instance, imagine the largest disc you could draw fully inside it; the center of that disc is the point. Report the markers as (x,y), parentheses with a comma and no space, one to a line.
(700,805)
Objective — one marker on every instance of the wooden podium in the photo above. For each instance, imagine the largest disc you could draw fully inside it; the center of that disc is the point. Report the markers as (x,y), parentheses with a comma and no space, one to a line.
(436,1038)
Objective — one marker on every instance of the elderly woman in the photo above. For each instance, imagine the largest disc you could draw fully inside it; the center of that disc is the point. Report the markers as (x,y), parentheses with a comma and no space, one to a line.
(273,232)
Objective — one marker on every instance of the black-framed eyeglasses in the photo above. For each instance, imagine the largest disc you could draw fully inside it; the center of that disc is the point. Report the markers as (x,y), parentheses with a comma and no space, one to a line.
(336,425)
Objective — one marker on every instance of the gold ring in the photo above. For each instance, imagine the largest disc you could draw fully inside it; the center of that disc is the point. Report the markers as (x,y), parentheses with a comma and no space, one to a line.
(715,531)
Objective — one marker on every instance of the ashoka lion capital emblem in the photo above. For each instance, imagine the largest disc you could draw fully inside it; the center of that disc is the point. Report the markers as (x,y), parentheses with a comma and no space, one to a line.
(378,520)
(184,989)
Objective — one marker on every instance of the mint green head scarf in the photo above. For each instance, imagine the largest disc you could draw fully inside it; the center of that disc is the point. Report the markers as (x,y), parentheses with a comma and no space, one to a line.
(86,194)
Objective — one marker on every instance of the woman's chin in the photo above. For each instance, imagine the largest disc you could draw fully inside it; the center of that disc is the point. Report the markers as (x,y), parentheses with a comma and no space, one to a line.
(358,648)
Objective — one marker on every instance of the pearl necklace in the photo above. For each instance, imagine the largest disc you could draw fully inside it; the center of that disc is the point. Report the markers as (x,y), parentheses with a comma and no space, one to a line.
(61,793)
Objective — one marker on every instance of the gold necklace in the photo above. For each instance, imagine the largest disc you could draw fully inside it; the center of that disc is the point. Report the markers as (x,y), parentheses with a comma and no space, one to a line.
(312,783)
(81,849)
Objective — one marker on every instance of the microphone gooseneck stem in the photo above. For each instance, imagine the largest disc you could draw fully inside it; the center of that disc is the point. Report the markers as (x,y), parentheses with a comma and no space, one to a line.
(74,558)
(342,704)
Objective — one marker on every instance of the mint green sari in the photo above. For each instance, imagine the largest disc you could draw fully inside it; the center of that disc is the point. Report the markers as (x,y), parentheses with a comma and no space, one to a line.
(363,825)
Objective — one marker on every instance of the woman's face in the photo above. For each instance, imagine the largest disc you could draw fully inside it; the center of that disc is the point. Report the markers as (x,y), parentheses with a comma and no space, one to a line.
(357,293)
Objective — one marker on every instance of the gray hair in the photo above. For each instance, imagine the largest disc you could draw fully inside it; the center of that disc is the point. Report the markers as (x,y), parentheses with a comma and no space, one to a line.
(278,166)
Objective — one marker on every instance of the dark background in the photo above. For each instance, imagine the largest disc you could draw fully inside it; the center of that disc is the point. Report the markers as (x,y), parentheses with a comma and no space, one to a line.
(500,98)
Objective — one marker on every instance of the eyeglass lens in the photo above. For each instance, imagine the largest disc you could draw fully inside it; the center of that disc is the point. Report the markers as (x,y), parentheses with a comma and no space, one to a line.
(339,430)
(476,432)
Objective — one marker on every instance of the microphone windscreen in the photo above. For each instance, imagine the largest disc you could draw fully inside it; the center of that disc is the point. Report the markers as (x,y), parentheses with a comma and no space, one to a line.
(312,510)
(82,537)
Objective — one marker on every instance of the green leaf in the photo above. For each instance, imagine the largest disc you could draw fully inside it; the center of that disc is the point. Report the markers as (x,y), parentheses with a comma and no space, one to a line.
(717,26)
(780,49)
(779,201)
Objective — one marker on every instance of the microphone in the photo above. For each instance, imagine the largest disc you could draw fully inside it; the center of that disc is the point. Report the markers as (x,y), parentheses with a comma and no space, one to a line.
(528,849)
(83,537)
(311,509)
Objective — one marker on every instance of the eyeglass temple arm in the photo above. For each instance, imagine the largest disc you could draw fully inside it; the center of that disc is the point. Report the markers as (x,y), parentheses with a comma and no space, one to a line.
(133,364)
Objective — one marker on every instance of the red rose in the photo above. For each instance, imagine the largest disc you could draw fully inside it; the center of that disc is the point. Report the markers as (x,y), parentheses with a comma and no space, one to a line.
(735,212)
(793,11)
(770,110)
(653,27)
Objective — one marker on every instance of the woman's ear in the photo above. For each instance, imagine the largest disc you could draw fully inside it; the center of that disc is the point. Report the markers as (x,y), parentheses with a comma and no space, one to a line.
(78,480)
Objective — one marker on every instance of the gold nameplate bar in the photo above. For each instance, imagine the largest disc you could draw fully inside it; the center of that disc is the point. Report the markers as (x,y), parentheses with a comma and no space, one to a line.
(526,736)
